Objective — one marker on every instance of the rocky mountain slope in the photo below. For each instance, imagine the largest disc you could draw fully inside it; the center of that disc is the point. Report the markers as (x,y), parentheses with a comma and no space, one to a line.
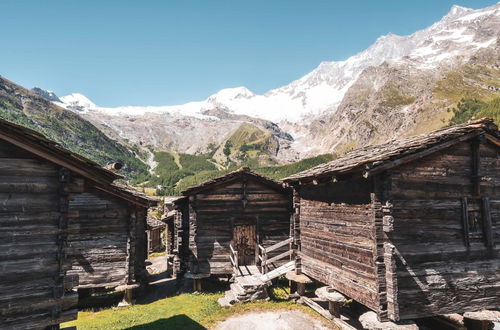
(401,85)
(27,108)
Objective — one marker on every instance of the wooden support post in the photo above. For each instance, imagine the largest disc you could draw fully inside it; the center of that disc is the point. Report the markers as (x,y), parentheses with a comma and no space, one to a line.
(264,261)
(476,176)
(301,288)
(127,295)
(197,284)
(127,298)
(465,221)
(487,223)
(293,286)
(334,308)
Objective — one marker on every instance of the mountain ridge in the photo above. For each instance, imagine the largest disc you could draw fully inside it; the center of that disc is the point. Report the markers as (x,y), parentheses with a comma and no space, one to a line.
(399,85)
(386,47)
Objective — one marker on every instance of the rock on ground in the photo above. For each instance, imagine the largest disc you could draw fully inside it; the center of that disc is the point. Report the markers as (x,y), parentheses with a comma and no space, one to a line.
(278,320)
(369,321)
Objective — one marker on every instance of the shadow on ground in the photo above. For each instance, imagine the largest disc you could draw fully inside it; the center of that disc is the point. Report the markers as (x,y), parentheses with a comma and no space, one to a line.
(177,322)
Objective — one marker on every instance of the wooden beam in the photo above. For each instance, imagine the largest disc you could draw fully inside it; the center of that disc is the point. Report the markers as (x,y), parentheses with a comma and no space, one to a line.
(278,257)
(487,224)
(492,140)
(476,178)
(465,221)
(126,196)
(52,156)
(406,159)
(278,245)
(320,310)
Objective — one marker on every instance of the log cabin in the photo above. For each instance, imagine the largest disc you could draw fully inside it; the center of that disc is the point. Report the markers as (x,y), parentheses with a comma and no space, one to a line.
(62,220)
(156,229)
(242,209)
(410,228)
(169,218)
(107,235)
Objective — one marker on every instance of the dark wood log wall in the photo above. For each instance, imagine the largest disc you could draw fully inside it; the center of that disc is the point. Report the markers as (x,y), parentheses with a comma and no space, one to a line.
(181,237)
(430,268)
(218,209)
(154,239)
(337,238)
(107,239)
(140,244)
(33,218)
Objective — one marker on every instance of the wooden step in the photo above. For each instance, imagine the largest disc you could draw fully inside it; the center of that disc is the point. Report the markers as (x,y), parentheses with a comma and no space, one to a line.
(282,270)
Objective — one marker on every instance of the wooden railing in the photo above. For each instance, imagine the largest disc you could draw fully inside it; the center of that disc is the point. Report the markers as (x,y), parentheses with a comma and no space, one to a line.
(233,255)
(265,261)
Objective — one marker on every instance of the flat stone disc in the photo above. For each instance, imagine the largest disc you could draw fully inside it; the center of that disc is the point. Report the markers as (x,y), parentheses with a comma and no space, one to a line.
(327,293)
(297,278)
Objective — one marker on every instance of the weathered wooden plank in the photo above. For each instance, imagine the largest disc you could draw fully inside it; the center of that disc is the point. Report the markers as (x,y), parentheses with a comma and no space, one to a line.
(278,257)
(27,167)
(419,155)
(353,287)
(278,245)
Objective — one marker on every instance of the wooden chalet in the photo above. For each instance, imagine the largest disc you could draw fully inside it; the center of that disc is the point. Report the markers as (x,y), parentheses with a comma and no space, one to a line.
(232,216)
(107,235)
(63,224)
(169,218)
(155,231)
(410,228)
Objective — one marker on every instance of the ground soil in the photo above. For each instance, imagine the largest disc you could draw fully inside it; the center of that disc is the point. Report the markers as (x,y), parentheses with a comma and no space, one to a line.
(276,320)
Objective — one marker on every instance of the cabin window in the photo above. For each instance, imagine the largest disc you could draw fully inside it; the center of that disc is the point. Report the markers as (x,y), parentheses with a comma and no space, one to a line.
(476,221)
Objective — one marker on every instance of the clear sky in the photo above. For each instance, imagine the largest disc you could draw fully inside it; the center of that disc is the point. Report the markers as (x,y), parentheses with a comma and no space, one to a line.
(170,52)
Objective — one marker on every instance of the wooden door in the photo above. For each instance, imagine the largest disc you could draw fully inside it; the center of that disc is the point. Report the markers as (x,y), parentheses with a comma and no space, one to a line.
(244,241)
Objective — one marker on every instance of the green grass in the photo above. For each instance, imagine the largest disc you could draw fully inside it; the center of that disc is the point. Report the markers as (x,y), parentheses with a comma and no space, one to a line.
(392,97)
(157,254)
(185,311)
(467,82)
(282,171)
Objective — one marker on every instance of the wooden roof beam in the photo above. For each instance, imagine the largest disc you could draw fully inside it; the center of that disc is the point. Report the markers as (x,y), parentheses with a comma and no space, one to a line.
(426,152)
(492,140)
(70,164)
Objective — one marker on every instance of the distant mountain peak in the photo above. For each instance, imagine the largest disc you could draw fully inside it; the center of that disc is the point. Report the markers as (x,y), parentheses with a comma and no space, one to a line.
(232,94)
(458,10)
(78,102)
(46,94)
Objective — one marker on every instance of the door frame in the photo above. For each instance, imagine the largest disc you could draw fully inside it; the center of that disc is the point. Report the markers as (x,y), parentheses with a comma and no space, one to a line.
(247,220)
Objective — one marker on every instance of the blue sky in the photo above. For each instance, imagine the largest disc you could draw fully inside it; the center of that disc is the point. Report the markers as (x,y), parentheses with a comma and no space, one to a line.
(170,52)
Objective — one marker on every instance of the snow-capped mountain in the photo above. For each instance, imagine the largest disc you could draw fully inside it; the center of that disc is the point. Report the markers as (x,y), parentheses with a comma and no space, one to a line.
(325,86)
(76,102)
(339,89)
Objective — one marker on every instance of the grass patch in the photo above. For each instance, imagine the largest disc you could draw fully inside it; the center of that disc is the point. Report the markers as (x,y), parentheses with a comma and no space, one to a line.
(157,254)
(185,311)
(392,97)
(467,82)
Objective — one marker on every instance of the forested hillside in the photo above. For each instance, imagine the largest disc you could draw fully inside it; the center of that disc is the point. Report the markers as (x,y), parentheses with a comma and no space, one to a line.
(175,172)
(468,109)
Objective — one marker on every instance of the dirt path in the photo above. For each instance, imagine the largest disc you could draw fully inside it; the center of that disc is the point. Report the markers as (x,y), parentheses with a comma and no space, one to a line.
(161,285)
(177,159)
(278,320)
